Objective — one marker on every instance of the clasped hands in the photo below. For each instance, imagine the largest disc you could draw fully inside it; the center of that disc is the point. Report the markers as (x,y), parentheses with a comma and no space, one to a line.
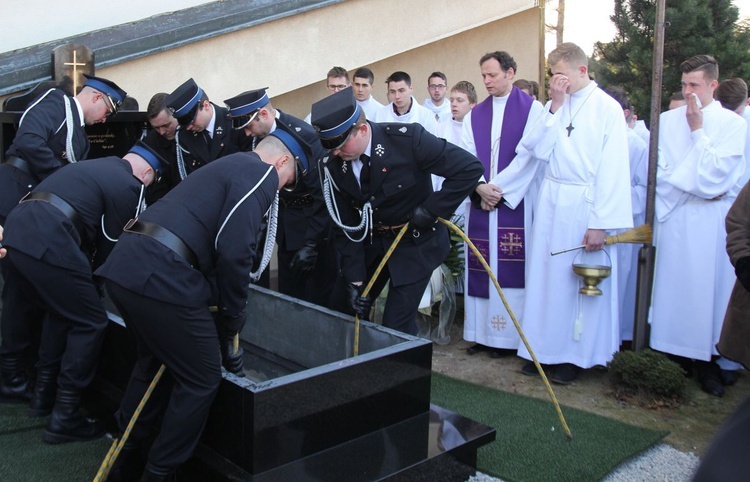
(490,195)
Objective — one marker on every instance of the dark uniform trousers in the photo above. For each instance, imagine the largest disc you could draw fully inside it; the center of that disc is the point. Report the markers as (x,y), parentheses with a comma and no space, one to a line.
(81,324)
(319,284)
(402,301)
(164,296)
(41,122)
(18,338)
(184,339)
(47,270)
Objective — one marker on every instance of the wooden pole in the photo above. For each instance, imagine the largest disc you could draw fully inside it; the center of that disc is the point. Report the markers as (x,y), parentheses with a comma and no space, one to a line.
(646,254)
(542,54)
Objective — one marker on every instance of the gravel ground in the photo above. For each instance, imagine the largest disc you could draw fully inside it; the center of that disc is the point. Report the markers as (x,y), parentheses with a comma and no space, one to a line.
(661,462)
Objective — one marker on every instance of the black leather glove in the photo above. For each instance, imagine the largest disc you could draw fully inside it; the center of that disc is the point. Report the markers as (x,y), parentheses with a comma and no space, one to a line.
(303,262)
(233,362)
(421,218)
(360,304)
(742,270)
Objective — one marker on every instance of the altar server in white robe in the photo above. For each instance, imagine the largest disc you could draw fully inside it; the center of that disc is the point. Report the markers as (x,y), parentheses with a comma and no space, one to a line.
(403,107)
(584,195)
(463,98)
(628,253)
(362,84)
(701,160)
(499,220)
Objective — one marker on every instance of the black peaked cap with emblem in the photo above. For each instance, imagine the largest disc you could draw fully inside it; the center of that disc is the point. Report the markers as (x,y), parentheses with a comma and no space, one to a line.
(247,102)
(107,87)
(184,101)
(334,116)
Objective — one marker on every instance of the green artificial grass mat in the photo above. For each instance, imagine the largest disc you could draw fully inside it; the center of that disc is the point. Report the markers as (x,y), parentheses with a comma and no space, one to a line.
(531,444)
(25,458)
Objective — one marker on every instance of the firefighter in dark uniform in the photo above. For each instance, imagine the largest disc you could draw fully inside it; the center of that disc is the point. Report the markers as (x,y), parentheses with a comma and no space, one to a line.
(205,131)
(191,250)
(50,135)
(379,179)
(55,237)
(161,138)
(307,265)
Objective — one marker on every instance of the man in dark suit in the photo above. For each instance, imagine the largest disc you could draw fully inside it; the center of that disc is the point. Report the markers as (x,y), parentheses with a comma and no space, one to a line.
(378,176)
(55,237)
(205,131)
(191,250)
(307,265)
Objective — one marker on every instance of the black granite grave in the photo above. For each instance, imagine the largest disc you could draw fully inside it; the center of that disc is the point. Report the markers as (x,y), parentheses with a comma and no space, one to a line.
(309,410)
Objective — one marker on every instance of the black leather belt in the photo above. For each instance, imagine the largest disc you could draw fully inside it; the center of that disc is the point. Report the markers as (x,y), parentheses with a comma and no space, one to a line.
(163,236)
(59,203)
(296,201)
(19,164)
(383,230)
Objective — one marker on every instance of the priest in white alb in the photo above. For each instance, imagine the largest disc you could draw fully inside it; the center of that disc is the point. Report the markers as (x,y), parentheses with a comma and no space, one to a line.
(498,221)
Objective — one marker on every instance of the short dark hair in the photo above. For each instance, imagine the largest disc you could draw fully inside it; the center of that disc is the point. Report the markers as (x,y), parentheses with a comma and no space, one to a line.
(706,63)
(338,72)
(732,93)
(467,88)
(399,76)
(364,73)
(157,104)
(524,84)
(534,88)
(437,74)
(505,60)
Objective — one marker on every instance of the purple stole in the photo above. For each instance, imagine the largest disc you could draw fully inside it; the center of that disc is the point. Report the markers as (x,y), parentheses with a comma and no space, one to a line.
(511,252)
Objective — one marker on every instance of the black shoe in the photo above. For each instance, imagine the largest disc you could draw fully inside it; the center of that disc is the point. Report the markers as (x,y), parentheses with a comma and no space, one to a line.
(129,465)
(564,373)
(476,348)
(43,396)
(709,376)
(501,352)
(729,377)
(149,476)
(68,424)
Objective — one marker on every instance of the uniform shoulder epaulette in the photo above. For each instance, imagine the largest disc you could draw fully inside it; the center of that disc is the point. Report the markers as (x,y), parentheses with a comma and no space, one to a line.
(396,129)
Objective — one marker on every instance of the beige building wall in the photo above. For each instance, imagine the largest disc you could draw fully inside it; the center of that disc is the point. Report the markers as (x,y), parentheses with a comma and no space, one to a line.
(292,55)
(456,56)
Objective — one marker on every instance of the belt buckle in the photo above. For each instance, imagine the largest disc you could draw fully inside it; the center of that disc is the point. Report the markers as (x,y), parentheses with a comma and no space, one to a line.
(129,224)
